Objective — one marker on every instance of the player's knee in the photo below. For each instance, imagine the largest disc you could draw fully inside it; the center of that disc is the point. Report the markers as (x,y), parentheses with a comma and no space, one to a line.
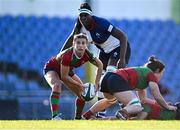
(136,103)
(56,88)
(112,101)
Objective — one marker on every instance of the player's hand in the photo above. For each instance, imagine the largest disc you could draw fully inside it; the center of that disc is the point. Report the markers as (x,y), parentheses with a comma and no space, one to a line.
(172,108)
(121,63)
(81,87)
(169,103)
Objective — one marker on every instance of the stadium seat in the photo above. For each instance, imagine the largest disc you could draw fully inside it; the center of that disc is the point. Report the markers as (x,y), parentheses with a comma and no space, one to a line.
(29,41)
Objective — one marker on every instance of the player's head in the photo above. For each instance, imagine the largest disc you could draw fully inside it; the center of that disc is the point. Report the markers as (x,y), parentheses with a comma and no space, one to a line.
(177,111)
(156,66)
(85,13)
(85,6)
(80,42)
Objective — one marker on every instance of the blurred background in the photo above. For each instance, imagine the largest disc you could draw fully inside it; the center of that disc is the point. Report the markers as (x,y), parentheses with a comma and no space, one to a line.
(31,31)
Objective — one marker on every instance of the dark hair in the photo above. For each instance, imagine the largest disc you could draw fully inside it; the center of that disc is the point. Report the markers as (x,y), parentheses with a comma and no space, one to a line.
(85,6)
(177,111)
(154,64)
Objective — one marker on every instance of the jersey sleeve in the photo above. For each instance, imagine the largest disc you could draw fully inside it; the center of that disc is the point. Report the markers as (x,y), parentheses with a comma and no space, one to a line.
(65,60)
(107,26)
(151,77)
(91,56)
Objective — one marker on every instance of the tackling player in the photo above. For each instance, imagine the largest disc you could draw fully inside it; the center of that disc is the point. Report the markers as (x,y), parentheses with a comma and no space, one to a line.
(119,85)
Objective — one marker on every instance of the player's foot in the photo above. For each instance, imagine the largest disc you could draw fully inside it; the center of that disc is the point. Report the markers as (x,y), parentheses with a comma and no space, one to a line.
(88,118)
(57,117)
(77,118)
(101,114)
(87,115)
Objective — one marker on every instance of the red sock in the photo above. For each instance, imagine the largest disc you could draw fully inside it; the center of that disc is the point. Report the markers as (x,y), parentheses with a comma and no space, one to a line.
(79,107)
(87,115)
(54,99)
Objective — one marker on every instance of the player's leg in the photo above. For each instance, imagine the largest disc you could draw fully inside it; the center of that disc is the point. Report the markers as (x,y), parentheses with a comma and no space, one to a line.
(121,90)
(133,105)
(79,103)
(114,56)
(100,105)
(104,103)
(53,80)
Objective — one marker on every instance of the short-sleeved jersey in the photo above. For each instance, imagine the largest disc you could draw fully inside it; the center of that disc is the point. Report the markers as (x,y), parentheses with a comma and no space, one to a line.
(68,58)
(155,111)
(100,34)
(137,77)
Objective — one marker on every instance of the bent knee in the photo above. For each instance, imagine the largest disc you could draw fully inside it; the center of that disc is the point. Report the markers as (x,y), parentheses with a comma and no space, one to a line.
(135,102)
(56,87)
(111,101)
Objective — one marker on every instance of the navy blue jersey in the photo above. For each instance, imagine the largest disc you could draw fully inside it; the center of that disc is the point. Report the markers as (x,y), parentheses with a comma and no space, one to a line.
(101,36)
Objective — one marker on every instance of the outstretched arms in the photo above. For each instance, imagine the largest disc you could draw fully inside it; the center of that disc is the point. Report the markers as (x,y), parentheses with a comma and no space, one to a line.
(158,97)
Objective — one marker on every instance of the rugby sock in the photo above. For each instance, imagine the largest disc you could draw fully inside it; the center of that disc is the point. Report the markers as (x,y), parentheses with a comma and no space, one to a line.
(87,115)
(54,100)
(79,107)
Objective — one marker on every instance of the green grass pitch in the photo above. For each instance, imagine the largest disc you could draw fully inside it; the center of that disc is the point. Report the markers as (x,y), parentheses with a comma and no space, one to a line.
(89,125)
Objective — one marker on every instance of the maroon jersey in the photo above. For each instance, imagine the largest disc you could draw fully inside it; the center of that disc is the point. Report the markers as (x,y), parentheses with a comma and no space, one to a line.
(155,111)
(137,77)
(68,58)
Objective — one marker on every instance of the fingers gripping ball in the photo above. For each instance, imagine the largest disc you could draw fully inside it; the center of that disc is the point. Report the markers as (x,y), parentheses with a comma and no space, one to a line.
(89,92)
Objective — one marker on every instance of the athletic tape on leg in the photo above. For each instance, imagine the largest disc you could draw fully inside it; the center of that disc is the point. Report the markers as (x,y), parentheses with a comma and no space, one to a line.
(134,101)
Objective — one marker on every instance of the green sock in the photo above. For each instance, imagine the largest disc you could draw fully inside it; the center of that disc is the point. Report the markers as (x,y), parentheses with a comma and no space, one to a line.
(79,107)
(54,100)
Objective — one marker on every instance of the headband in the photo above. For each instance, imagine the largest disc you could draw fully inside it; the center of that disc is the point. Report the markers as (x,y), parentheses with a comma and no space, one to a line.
(83,10)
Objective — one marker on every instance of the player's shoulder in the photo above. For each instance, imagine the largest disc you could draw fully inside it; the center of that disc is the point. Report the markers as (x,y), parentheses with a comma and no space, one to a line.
(66,53)
(100,20)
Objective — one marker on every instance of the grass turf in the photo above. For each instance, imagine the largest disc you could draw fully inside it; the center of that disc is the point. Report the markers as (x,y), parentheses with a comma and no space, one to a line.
(89,125)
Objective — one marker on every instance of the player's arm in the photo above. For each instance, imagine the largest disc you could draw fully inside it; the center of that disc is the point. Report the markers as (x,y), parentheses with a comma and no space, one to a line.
(123,42)
(99,66)
(67,80)
(68,43)
(158,97)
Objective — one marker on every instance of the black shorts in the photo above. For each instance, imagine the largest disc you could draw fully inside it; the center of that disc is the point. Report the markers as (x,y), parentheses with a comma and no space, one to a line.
(112,83)
(114,54)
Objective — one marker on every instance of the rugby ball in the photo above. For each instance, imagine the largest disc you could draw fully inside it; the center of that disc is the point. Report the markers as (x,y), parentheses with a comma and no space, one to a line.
(89,92)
